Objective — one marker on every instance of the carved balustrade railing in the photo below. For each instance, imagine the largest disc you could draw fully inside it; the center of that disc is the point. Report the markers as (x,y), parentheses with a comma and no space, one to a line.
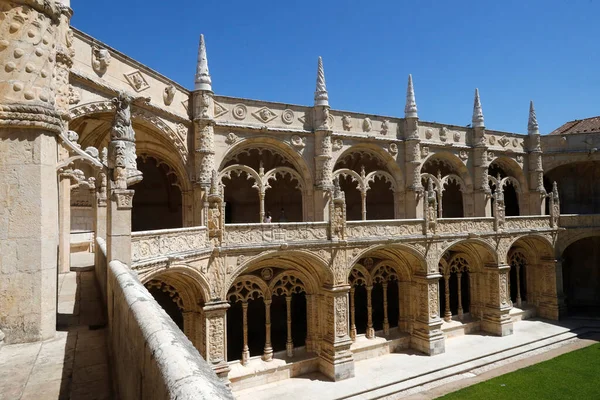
(579,221)
(147,245)
(383,229)
(245,234)
(527,222)
(461,226)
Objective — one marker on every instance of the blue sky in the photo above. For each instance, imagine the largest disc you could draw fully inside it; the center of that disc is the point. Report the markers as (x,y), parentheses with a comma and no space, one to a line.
(512,50)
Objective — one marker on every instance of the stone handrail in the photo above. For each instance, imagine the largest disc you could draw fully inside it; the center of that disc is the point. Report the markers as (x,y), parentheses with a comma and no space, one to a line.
(151,357)
(465,225)
(384,228)
(580,220)
(527,222)
(147,245)
(243,234)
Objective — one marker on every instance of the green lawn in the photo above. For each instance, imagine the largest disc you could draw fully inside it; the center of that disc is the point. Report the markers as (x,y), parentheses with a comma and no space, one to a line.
(574,375)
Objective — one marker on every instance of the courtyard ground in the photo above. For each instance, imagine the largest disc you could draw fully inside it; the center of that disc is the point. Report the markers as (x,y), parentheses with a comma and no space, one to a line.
(72,365)
(569,376)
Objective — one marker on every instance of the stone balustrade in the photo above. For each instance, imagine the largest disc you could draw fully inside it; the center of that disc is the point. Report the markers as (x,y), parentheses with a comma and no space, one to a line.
(527,223)
(146,245)
(151,357)
(383,228)
(245,234)
(580,220)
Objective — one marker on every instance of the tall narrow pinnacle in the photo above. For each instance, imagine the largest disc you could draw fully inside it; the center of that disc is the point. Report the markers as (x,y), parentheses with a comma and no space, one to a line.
(203,81)
(477,112)
(410,110)
(321,96)
(532,125)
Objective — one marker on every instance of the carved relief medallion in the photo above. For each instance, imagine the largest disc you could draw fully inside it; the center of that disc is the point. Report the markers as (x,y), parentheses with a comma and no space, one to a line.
(239,111)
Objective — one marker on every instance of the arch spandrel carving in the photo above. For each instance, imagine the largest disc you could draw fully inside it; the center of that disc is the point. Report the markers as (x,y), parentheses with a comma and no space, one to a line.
(190,284)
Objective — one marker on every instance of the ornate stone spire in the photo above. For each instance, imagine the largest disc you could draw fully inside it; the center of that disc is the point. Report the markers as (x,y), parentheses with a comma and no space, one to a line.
(410,110)
(477,112)
(532,125)
(321,96)
(203,81)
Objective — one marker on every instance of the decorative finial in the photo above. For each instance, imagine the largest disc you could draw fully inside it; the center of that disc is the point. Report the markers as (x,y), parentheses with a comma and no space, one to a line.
(410,110)
(555,190)
(203,81)
(321,96)
(477,112)
(532,126)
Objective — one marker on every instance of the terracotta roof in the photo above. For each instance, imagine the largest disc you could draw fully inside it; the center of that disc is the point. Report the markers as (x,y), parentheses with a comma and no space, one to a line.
(579,126)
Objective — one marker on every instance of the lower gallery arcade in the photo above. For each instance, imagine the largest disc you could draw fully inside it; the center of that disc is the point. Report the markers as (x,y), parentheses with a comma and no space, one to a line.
(278,314)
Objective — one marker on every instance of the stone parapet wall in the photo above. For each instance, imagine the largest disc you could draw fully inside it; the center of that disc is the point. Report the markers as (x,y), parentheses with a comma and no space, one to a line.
(152,358)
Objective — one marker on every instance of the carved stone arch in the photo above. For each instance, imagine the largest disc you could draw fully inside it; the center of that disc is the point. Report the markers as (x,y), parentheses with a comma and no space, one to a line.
(457,179)
(387,159)
(455,162)
(283,171)
(193,279)
(512,168)
(165,156)
(354,176)
(536,246)
(149,120)
(238,169)
(478,251)
(359,275)
(276,146)
(384,270)
(288,282)
(565,239)
(313,267)
(444,266)
(461,262)
(415,252)
(386,176)
(247,287)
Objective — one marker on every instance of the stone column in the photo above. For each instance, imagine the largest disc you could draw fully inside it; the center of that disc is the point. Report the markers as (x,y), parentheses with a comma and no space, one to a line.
(370,334)
(268,350)
(496,303)
(335,357)
(245,349)
(447,312)
(412,148)
(352,315)
(215,326)
(482,192)
(64,223)
(427,335)
(289,345)
(30,119)
(99,219)
(459,290)
(386,322)
(323,147)
(537,193)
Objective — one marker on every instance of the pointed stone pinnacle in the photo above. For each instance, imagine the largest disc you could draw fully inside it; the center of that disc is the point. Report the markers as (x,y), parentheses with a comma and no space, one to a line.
(321,96)
(203,81)
(532,125)
(410,110)
(477,121)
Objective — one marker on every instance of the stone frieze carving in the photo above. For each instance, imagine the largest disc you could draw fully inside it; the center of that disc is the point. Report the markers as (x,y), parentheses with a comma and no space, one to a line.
(169,95)
(165,244)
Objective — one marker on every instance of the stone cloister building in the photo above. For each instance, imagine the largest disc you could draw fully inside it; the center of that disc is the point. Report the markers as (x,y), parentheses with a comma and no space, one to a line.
(385,233)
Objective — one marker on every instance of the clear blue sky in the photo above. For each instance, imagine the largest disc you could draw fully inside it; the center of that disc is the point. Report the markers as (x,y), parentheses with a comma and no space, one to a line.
(512,50)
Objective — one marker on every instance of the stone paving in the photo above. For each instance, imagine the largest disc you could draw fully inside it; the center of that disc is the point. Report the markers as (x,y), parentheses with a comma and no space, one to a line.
(72,365)
(387,369)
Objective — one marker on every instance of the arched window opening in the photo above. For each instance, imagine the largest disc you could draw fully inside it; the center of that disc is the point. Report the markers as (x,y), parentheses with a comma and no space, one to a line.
(242,203)
(511,197)
(368,186)
(283,200)
(380,199)
(168,298)
(268,314)
(157,203)
(455,287)
(581,276)
(447,184)
(578,187)
(374,298)
(517,279)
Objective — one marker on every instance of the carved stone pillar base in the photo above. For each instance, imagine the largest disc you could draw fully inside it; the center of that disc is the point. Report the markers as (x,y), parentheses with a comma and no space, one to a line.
(335,358)
(497,322)
(215,326)
(428,338)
